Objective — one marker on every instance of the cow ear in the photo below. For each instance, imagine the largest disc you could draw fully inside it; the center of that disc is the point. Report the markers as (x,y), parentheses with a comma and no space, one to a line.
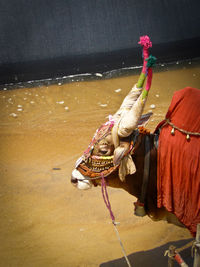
(120,151)
(127,166)
(144,119)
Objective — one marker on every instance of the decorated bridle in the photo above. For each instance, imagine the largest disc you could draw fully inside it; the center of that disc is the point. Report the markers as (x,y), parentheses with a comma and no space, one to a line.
(93,166)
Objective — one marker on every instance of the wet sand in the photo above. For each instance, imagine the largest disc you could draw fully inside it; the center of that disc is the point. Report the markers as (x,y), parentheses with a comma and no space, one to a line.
(45,221)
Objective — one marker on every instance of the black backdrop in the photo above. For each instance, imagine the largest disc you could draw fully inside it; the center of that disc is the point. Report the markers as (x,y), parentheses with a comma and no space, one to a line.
(47,38)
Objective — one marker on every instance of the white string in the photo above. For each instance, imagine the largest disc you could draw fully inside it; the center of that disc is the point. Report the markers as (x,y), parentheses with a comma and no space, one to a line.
(107,202)
(123,250)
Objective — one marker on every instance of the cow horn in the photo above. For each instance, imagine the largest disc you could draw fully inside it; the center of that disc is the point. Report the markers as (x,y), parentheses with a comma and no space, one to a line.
(128,116)
(132,108)
(130,120)
(125,107)
(128,102)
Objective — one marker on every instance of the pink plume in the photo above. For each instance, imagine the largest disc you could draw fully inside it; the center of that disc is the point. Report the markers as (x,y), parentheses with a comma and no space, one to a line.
(145,41)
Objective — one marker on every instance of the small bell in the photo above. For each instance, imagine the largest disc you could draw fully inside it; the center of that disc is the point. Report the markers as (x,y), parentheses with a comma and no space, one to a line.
(188,137)
(173,131)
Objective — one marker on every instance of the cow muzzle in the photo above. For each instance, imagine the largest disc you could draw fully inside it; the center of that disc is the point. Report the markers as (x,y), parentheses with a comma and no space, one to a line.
(80,181)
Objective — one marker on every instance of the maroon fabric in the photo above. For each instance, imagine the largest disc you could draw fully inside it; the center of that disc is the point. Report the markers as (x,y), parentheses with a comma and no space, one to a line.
(178,173)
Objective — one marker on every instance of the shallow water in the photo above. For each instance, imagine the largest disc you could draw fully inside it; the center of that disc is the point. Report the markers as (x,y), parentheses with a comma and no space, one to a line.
(45,221)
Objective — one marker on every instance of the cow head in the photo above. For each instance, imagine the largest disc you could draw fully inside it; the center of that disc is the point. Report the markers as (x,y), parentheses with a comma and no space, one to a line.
(111,146)
(112,143)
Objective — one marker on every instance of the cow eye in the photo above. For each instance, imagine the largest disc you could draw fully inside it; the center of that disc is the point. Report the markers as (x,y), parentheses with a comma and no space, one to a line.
(103,148)
(104,152)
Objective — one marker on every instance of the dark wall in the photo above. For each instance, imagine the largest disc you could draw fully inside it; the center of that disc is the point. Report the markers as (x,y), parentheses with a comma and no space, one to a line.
(45,38)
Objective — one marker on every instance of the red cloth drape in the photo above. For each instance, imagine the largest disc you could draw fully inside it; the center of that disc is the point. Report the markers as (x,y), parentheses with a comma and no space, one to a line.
(178,172)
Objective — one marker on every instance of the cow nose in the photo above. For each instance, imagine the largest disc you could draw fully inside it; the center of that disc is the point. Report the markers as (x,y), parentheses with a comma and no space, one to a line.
(74,180)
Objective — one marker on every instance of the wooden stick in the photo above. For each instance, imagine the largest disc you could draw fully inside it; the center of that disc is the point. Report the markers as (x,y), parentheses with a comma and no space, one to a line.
(197,248)
(171,255)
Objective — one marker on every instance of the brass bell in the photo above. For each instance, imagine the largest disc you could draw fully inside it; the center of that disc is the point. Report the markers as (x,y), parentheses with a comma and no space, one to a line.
(173,131)
(188,137)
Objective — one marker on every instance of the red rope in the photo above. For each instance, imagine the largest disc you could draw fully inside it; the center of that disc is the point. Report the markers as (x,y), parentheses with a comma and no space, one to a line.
(149,79)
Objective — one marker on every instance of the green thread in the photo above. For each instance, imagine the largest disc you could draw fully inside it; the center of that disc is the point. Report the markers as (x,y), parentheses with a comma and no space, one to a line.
(151,60)
(144,94)
(141,80)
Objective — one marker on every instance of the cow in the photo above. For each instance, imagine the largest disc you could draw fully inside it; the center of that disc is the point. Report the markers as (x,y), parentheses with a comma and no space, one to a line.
(150,166)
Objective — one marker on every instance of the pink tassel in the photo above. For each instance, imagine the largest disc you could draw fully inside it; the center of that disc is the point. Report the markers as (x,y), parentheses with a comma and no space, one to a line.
(146,43)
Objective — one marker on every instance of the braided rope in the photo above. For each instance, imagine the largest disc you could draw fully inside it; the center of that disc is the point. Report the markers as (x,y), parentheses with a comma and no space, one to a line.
(181,130)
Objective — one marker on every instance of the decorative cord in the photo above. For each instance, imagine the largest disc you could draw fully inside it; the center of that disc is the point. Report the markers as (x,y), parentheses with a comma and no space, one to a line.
(187,133)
